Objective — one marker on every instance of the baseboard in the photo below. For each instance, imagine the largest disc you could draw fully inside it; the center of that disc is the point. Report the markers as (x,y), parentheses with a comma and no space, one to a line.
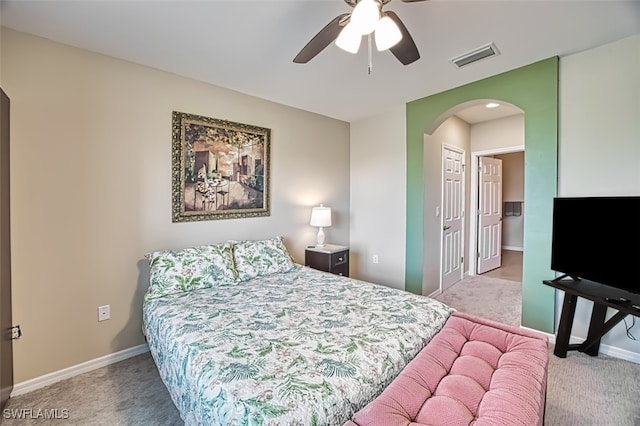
(612,351)
(66,373)
(434,294)
(512,248)
(616,352)
(439,292)
(551,337)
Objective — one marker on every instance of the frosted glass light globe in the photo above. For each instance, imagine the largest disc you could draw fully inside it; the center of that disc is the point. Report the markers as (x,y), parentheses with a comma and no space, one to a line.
(387,33)
(349,39)
(365,16)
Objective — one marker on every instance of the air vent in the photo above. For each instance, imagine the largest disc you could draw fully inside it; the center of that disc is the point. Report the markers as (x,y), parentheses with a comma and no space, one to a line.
(475,55)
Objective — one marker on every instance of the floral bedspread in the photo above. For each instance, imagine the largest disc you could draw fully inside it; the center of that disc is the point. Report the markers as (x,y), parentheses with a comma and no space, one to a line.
(297,348)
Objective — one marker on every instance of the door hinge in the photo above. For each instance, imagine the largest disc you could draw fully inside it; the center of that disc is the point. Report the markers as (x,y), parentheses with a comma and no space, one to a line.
(462,259)
(16,332)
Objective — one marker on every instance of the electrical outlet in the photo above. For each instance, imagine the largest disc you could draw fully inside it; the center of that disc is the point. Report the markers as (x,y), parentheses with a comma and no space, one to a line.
(374,258)
(104,312)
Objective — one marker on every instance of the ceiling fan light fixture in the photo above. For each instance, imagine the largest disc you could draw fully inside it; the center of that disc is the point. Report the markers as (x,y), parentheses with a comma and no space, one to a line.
(344,31)
(349,39)
(365,16)
(387,34)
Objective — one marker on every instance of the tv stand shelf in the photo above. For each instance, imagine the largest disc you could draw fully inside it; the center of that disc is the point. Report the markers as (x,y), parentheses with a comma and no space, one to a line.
(603,297)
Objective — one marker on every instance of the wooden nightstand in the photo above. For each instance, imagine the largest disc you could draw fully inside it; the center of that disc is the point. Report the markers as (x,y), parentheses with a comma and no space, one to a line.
(329,258)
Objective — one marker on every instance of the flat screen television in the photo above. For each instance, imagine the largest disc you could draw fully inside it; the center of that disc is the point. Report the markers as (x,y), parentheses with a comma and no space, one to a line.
(598,239)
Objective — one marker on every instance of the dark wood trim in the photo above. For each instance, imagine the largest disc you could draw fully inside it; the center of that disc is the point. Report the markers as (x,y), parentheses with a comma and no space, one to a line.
(6,344)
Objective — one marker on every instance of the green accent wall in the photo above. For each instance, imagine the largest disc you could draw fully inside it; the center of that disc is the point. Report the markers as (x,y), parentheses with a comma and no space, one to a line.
(534,89)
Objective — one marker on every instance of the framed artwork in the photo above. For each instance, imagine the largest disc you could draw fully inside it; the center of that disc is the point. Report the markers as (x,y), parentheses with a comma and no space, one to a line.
(220,169)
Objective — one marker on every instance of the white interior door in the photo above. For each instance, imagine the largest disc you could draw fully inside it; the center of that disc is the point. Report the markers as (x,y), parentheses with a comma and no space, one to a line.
(452,216)
(489,214)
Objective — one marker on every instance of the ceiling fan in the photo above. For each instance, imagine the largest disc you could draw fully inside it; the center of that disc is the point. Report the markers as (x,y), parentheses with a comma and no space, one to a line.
(366,18)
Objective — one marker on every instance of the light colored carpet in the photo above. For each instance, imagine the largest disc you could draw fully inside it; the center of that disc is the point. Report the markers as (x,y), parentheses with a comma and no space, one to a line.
(592,391)
(492,298)
(128,393)
(582,390)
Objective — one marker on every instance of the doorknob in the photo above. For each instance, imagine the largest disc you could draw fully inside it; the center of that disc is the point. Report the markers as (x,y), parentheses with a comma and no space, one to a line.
(445,228)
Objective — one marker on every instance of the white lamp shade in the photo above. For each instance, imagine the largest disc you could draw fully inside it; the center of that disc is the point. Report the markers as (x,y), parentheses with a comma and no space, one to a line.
(321,216)
(387,34)
(349,39)
(365,16)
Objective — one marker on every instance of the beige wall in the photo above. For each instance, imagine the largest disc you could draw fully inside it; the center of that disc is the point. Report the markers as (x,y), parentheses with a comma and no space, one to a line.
(91,190)
(0,49)
(513,190)
(497,134)
(513,176)
(378,197)
(599,149)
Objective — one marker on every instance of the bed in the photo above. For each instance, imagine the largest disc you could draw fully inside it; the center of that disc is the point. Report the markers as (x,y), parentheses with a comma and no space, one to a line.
(241,335)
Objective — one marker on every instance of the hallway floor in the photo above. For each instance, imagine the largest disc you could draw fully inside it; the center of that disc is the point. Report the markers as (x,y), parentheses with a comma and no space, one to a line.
(511,268)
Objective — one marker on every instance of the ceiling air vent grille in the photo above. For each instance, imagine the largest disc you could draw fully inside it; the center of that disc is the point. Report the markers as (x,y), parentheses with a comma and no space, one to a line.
(475,55)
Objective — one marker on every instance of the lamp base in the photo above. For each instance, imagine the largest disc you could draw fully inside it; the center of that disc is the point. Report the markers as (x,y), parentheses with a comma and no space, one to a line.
(320,239)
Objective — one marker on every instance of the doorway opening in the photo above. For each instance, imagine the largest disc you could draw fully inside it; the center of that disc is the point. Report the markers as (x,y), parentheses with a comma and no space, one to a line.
(510,222)
(470,134)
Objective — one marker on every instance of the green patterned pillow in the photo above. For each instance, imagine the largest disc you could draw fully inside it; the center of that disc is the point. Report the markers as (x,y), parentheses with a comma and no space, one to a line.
(263,257)
(177,271)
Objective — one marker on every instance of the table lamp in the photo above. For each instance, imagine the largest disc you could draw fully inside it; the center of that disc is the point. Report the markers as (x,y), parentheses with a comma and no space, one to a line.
(320,217)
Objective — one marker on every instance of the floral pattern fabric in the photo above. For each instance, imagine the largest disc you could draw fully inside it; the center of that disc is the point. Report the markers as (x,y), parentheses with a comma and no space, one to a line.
(258,258)
(176,271)
(298,348)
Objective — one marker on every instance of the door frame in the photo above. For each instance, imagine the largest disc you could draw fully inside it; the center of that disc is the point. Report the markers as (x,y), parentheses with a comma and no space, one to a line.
(473,201)
(464,203)
(6,337)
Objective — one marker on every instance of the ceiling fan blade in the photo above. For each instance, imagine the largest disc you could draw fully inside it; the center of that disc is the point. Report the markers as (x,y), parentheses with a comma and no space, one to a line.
(324,38)
(406,50)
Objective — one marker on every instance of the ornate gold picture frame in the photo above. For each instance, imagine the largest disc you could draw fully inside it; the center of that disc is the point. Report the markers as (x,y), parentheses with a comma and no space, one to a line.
(220,169)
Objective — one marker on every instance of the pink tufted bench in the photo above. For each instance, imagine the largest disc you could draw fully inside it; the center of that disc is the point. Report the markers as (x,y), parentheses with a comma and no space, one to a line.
(473,372)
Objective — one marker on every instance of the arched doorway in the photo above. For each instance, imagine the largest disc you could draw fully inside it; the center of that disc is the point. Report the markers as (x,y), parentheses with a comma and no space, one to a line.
(486,127)
(534,89)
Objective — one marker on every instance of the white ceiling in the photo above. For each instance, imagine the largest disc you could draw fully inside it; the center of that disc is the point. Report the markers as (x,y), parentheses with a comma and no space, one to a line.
(248,46)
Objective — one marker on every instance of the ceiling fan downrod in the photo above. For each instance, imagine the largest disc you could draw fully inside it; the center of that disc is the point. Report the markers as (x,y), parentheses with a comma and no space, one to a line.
(370,70)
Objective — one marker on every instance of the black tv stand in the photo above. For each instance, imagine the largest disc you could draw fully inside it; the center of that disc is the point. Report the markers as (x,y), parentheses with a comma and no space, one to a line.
(618,300)
(603,297)
(563,277)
